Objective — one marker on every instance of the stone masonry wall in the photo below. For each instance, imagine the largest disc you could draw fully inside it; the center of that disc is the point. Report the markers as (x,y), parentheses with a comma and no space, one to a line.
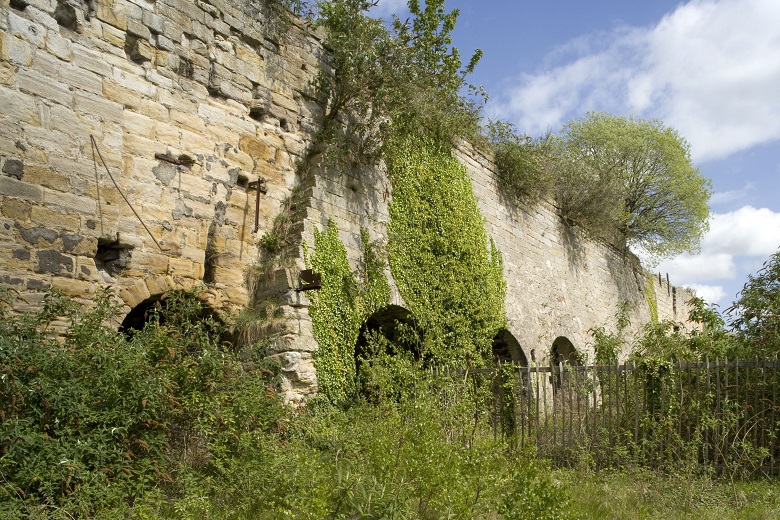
(199,108)
(191,103)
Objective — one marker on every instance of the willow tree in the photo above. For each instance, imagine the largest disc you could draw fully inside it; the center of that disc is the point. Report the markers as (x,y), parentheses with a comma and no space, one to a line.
(644,179)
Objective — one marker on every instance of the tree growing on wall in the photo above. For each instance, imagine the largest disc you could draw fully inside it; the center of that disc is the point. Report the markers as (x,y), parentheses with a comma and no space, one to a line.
(639,175)
(386,80)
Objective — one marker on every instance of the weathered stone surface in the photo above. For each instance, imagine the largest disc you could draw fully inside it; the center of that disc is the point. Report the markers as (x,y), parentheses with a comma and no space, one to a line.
(54,262)
(201,84)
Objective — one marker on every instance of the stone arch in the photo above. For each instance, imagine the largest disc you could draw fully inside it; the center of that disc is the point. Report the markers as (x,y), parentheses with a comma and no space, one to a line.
(564,351)
(506,349)
(389,321)
(144,296)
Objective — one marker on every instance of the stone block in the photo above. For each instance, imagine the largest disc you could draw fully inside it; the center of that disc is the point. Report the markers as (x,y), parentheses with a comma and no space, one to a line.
(29,31)
(46,177)
(140,51)
(15,188)
(132,76)
(54,262)
(126,97)
(154,22)
(69,203)
(181,267)
(59,46)
(137,124)
(106,11)
(91,60)
(80,79)
(37,84)
(137,28)
(135,293)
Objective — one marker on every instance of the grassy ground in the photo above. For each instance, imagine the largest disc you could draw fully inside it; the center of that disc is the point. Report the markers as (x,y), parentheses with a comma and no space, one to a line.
(643,494)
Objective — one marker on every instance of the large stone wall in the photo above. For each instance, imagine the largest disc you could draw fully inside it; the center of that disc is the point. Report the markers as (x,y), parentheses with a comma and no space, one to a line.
(190,105)
(201,109)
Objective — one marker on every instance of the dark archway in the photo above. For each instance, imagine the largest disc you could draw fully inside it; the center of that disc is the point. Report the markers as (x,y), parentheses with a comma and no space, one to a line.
(155,307)
(563,351)
(506,349)
(394,323)
(388,347)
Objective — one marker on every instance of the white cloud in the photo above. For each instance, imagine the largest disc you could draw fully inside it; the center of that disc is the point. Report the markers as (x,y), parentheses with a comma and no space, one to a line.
(746,232)
(687,269)
(712,294)
(710,69)
(727,197)
(748,235)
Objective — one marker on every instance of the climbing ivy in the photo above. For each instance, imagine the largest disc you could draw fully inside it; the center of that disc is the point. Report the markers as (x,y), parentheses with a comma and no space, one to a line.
(449,275)
(652,300)
(340,307)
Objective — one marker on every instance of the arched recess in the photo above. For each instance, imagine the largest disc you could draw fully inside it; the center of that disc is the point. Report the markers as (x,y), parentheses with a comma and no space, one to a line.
(395,324)
(506,349)
(563,351)
(145,311)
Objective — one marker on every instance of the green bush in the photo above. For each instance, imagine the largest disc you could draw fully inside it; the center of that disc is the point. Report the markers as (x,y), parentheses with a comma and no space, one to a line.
(92,420)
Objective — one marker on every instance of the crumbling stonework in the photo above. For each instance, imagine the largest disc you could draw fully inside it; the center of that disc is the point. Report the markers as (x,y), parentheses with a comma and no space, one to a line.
(199,110)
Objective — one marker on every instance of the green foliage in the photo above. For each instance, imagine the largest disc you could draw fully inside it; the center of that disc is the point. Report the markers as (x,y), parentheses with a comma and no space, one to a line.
(524,165)
(89,420)
(340,307)
(650,297)
(755,316)
(642,170)
(534,494)
(607,345)
(383,81)
(448,276)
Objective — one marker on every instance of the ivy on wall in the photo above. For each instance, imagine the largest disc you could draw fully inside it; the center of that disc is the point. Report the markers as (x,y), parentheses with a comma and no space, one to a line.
(449,275)
(650,296)
(340,307)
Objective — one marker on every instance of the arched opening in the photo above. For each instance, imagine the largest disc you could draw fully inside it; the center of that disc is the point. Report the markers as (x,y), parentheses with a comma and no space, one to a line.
(387,345)
(161,307)
(511,387)
(506,349)
(395,325)
(562,354)
(563,351)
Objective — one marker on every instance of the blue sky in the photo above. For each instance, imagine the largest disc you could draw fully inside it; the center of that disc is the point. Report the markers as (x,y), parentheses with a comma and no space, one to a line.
(708,68)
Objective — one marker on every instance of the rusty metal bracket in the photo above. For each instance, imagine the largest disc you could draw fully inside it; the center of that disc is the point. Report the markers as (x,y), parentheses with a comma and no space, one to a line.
(182,160)
(261,187)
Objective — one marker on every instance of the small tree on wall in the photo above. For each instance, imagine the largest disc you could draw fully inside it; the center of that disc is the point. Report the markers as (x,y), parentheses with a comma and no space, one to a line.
(611,175)
(642,171)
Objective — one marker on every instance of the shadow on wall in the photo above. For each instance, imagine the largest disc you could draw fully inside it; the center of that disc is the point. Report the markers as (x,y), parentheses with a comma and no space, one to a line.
(573,244)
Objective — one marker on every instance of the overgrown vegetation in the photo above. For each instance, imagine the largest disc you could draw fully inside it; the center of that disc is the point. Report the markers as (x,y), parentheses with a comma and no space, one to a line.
(617,177)
(439,255)
(92,421)
(340,307)
(168,424)
(755,316)
(388,81)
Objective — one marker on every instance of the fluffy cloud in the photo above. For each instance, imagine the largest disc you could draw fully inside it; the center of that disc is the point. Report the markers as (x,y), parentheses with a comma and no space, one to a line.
(711,293)
(748,234)
(710,69)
